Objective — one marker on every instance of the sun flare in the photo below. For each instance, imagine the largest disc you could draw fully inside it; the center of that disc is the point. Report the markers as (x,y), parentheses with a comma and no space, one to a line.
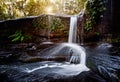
(49,9)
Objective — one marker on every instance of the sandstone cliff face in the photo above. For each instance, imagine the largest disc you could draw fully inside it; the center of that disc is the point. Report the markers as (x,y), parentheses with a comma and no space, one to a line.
(30,26)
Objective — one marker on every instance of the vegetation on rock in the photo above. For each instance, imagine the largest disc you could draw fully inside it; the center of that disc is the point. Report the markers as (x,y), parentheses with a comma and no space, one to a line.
(19,36)
(94,12)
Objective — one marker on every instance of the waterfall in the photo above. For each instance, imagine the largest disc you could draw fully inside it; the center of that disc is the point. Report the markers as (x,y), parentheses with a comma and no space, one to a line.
(73,33)
(78,54)
(72,30)
(74,54)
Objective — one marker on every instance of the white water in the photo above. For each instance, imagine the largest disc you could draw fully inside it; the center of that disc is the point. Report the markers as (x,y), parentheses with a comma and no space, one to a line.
(74,27)
(71,51)
(75,65)
(75,52)
(66,68)
(73,38)
(78,53)
(72,30)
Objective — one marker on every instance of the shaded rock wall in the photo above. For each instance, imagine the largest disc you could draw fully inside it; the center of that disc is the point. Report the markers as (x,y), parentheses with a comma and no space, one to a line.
(116,16)
(108,27)
(9,27)
(111,20)
(37,33)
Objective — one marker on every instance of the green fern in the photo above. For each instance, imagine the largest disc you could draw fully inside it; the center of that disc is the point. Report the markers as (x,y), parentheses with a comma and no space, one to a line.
(17,36)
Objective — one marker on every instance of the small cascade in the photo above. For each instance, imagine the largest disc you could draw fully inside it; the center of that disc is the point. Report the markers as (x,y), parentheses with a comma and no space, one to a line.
(75,59)
(78,53)
(73,54)
(72,30)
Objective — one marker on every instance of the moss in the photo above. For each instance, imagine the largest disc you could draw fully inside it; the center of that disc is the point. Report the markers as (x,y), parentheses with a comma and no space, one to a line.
(94,12)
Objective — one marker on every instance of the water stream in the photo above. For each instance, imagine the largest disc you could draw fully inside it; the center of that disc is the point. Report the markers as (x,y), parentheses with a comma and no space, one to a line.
(72,29)
(75,54)
(73,63)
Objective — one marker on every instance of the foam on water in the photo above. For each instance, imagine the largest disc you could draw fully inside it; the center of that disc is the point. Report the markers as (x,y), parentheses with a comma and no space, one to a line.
(76,62)
(65,68)
(75,65)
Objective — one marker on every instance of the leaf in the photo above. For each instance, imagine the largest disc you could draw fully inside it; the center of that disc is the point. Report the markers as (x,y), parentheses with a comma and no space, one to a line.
(17,33)
(14,35)
(22,38)
(16,38)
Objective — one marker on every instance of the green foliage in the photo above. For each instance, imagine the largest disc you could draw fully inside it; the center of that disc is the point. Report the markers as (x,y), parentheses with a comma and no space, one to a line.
(32,8)
(48,22)
(12,9)
(56,24)
(41,22)
(81,4)
(88,25)
(19,36)
(97,33)
(116,40)
(74,6)
(94,11)
(71,7)
(2,11)
(19,8)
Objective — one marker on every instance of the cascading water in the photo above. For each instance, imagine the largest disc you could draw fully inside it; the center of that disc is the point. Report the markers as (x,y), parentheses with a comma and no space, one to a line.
(74,57)
(73,33)
(74,54)
(73,29)
(101,60)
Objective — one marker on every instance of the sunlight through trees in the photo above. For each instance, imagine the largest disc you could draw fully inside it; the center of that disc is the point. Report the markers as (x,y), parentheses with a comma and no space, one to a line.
(19,8)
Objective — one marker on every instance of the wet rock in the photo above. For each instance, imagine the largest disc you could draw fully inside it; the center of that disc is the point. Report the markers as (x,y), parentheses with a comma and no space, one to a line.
(31,56)
(44,45)
(8,56)
(21,46)
(104,67)
(109,76)
(102,62)
(30,26)
(45,52)
(20,73)
(115,49)
(109,69)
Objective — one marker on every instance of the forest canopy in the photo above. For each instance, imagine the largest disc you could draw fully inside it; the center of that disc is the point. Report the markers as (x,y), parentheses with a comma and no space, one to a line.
(20,8)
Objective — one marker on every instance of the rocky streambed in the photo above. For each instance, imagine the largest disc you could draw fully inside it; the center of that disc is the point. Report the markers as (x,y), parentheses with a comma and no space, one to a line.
(23,63)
